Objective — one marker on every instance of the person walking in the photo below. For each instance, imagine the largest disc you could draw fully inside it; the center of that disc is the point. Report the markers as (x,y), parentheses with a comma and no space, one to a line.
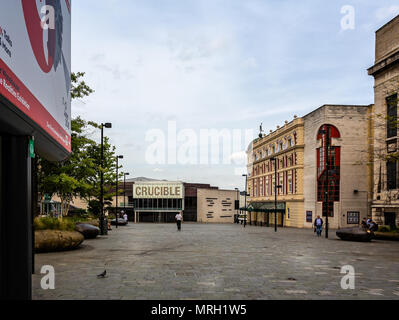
(318,224)
(179,219)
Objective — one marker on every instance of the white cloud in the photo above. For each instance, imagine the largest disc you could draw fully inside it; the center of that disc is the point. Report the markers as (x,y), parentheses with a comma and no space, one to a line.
(239,157)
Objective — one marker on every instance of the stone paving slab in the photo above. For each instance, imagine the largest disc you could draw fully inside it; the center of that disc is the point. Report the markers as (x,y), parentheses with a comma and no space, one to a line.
(226,262)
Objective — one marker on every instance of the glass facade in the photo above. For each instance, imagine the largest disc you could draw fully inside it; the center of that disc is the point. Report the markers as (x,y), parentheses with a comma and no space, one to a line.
(328,194)
(158,204)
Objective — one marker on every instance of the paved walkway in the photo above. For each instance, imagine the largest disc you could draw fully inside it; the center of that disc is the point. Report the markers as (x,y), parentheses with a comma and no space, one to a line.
(151,261)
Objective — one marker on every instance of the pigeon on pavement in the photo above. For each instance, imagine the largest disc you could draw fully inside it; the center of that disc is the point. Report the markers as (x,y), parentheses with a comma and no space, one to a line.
(102,275)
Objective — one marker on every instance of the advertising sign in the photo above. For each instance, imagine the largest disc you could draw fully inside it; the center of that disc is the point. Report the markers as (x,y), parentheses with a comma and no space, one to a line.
(169,190)
(35,63)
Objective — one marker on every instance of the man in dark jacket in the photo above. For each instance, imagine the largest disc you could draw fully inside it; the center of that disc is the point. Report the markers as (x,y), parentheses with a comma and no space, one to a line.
(318,224)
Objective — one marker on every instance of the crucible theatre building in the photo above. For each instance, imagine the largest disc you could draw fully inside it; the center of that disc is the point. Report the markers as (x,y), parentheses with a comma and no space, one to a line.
(151,201)
(158,201)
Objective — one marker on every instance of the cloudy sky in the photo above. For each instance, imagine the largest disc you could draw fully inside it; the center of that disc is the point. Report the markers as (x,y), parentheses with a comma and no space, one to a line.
(216,65)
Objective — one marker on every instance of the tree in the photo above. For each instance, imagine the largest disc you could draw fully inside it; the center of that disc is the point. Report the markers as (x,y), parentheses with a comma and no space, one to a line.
(79,88)
(69,178)
(79,175)
(109,172)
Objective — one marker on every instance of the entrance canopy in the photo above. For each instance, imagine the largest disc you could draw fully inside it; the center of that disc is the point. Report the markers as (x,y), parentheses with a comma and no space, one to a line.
(265,207)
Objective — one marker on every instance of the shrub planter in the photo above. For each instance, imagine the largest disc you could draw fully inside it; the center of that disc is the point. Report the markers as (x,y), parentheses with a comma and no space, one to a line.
(87,230)
(391,236)
(55,241)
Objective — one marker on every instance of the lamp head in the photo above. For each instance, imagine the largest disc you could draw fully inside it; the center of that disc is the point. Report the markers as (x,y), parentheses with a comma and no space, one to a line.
(108,125)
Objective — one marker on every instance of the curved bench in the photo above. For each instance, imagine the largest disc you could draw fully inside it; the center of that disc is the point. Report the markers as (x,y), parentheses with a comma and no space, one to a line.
(121,222)
(355,234)
(87,230)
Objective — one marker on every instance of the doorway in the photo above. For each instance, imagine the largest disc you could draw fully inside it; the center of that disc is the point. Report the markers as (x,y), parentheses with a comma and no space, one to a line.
(390,219)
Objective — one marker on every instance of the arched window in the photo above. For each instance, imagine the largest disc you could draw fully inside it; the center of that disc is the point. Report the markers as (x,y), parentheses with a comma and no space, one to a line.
(328,156)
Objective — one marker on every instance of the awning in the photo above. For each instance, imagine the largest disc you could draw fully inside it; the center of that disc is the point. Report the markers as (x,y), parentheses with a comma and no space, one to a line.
(266,207)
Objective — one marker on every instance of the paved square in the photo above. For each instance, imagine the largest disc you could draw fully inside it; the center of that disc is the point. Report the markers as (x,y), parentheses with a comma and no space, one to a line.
(154,261)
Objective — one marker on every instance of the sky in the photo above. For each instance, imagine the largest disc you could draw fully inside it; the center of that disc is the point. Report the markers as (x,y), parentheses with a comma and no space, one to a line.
(225,66)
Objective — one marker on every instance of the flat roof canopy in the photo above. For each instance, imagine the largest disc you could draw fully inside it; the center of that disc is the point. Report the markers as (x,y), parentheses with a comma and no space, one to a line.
(265,207)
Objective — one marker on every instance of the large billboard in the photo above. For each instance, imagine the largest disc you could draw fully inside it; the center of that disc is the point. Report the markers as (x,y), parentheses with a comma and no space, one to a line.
(158,190)
(35,63)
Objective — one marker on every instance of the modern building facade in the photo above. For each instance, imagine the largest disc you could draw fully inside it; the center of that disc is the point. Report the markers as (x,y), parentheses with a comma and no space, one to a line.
(216,206)
(158,201)
(152,201)
(386,172)
(295,156)
(350,191)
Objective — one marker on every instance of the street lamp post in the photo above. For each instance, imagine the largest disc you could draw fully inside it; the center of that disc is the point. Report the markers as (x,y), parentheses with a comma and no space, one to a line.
(103,230)
(238,207)
(246,193)
(117,191)
(276,187)
(124,189)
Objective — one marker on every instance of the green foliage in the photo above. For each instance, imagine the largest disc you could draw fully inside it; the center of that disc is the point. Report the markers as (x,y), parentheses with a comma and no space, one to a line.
(79,175)
(388,229)
(79,88)
(48,223)
(384,229)
(64,224)
(71,177)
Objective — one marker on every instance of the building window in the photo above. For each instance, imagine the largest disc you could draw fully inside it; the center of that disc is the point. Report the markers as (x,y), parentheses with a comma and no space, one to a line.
(334,173)
(392,175)
(392,116)
(354,217)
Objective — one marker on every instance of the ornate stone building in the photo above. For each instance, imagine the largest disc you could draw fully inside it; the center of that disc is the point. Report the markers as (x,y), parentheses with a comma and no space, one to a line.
(300,149)
(386,174)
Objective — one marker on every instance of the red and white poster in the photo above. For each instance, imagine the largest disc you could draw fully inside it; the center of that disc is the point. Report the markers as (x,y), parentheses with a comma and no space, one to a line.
(35,62)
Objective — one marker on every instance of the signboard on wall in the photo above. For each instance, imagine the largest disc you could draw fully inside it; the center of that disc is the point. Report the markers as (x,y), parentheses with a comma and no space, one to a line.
(167,190)
(309,216)
(35,63)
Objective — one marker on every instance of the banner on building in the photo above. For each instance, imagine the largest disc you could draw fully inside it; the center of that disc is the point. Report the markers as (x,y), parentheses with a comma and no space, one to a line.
(35,63)
(160,190)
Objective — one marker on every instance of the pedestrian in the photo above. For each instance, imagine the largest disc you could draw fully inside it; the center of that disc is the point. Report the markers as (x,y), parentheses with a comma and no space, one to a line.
(179,219)
(373,226)
(318,224)
(364,224)
(125,217)
(108,222)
